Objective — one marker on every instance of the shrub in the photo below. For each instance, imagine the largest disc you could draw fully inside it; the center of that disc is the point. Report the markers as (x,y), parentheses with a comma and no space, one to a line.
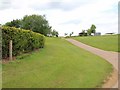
(23,40)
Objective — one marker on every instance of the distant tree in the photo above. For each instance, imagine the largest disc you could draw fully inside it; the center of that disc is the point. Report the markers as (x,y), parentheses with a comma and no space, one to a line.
(92,28)
(89,31)
(49,32)
(65,34)
(71,34)
(15,23)
(84,33)
(55,33)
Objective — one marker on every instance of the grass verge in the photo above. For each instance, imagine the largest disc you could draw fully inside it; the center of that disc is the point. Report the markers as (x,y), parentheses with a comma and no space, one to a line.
(105,42)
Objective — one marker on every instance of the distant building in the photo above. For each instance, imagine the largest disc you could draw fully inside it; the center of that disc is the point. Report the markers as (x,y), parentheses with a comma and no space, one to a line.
(82,34)
(97,34)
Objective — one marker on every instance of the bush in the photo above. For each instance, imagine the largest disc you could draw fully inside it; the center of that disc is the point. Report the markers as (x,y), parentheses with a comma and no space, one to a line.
(23,40)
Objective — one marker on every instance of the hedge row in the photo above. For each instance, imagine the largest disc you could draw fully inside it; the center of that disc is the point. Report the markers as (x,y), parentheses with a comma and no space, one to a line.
(23,40)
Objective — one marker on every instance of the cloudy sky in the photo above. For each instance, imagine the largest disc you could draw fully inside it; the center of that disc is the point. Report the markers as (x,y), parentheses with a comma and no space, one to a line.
(66,16)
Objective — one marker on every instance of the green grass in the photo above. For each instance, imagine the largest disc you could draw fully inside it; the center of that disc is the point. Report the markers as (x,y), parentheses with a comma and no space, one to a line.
(59,65)
(106,42)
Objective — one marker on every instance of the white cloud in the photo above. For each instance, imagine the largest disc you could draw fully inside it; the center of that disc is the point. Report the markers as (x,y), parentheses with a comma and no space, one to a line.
(69,15)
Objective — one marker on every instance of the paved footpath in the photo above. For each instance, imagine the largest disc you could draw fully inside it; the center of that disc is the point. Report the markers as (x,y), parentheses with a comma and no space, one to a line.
(111,57)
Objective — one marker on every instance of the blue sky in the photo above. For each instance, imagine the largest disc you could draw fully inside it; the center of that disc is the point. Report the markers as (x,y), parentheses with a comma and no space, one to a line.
(66,16)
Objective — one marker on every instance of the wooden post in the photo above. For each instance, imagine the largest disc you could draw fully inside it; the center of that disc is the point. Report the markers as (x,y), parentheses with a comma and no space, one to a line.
(10,50)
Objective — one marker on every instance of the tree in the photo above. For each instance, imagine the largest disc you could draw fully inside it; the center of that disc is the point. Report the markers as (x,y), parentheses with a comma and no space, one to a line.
(65,34)
(93,27)
(71,34)
(15,23)
(89,31)
(50,32)
(36,23)
(55,33)
(83,31)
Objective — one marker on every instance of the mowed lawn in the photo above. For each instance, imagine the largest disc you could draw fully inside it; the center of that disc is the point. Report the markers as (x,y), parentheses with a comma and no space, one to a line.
(59,65)
(105,42)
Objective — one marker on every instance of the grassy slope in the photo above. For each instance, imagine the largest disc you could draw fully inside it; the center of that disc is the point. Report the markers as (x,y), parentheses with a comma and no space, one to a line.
(59,64)
(108,42)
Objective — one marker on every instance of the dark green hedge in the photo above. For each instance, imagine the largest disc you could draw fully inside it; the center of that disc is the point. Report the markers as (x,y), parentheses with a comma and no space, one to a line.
(23,40)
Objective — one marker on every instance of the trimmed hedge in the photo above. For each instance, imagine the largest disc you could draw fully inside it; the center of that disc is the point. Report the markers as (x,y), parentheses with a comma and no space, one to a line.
(23,40)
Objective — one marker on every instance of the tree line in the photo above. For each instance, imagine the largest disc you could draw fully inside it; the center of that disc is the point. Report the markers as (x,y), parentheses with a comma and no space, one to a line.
(35,23)
(89,31)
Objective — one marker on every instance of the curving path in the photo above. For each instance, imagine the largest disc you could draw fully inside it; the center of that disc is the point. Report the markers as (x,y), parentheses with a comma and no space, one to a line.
(111,57)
